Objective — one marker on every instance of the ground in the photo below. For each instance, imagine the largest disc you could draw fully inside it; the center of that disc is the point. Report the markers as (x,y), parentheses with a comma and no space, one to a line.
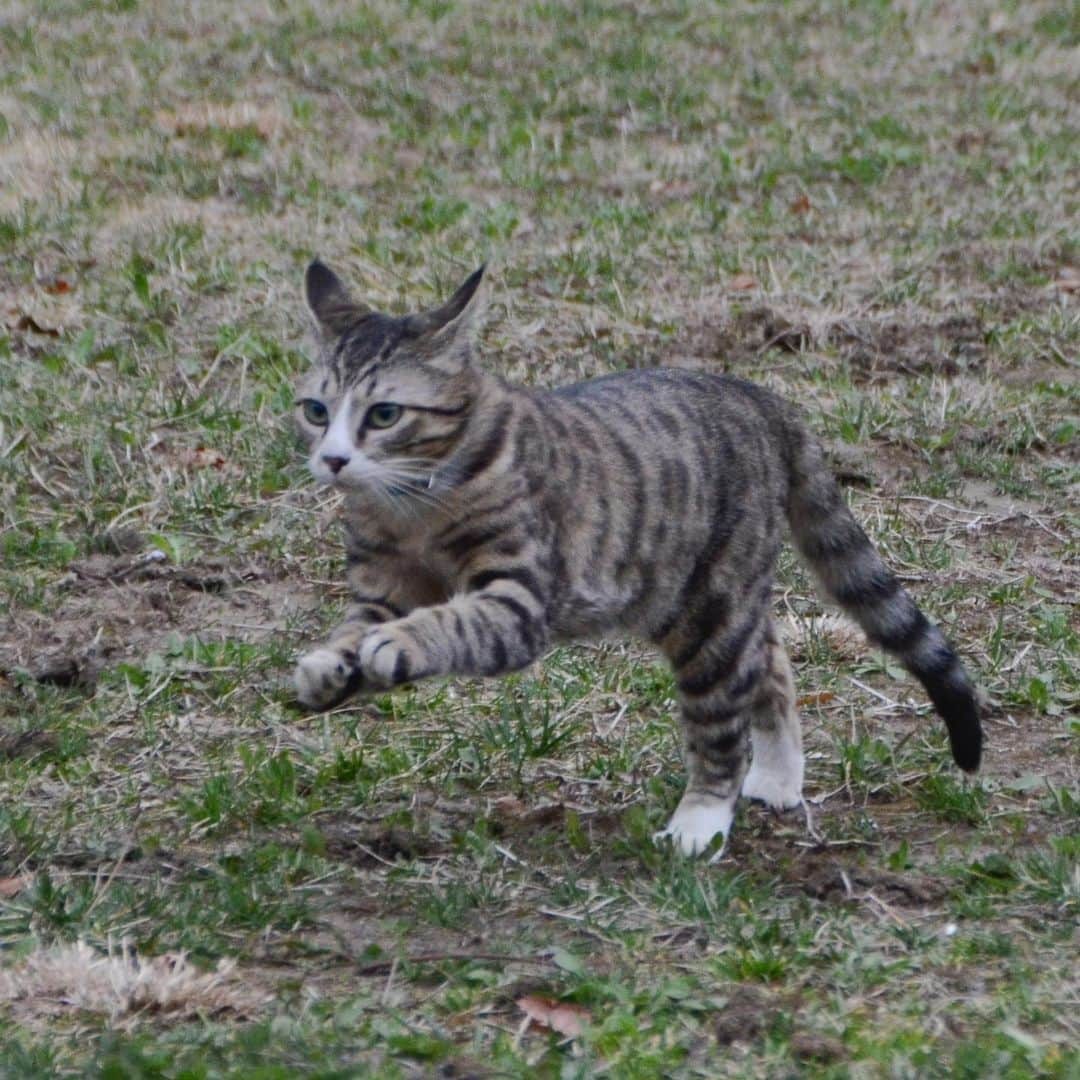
(870,208)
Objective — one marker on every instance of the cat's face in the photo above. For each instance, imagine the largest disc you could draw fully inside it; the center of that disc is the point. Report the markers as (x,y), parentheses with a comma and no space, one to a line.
(392,397)
(385,425)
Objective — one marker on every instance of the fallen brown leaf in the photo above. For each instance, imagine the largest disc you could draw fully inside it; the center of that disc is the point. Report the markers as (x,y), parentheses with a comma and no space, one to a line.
(820,698)
(12,886)
(562,1017)
(56,286)
(743,283)
(183,457)
(801,205)
(204,457)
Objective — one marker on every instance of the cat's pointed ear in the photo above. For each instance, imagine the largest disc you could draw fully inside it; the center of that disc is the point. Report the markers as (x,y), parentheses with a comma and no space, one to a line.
(329,301)
(453,316)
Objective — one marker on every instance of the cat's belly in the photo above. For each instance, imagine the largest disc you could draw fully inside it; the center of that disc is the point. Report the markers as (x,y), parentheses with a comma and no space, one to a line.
(591,613)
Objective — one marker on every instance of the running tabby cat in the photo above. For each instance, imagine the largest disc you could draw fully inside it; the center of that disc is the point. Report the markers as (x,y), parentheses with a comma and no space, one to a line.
(486,521)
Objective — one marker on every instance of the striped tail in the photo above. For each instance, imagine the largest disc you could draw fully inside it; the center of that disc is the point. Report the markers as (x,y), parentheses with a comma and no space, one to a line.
(852,574)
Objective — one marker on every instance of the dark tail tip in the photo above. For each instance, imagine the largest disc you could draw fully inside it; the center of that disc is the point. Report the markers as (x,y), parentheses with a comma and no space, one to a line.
(967,748)
(958,709)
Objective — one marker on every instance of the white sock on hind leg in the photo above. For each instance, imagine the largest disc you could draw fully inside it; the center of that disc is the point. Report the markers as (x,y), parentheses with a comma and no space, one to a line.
(776,770)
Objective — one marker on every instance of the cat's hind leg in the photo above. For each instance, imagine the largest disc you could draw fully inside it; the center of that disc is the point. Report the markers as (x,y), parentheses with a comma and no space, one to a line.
(776,771)
(719,672)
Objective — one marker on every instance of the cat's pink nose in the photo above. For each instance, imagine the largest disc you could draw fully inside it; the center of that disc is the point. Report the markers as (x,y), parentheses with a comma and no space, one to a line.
(335,464)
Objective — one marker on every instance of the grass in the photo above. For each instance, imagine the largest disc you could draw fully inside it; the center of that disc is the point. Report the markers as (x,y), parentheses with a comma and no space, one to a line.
(868,207)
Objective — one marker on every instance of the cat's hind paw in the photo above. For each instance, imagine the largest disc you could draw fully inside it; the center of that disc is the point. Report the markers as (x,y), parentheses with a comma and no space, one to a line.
(324,677)
(696,823)
(776,773)
(776,792)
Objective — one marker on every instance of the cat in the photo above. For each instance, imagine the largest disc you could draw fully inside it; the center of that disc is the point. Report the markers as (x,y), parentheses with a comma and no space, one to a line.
(486,521)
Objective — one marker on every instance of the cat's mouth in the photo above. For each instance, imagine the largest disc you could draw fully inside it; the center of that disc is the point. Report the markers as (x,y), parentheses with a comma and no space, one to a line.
(393,492)
(398,484)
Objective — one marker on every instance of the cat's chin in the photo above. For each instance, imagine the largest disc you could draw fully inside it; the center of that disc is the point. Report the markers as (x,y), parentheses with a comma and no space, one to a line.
(341,483)
(347,483)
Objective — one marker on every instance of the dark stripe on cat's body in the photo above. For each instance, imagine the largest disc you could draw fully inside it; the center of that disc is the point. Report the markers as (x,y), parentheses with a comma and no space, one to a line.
(519,575)
(709,613)
(631,524)
(495,511)
(499,657)
(380,602)
(903,640)
(481,457)
(725,522)
(401,668)
(675,479)
(879,587)
(445,440)
(366,613)
(402,436)
(526,439)
(729,646)
(526,618)
(468,656)
(669,423)
(361,547)
(604,535)
(467,542)
(719,746)
(838,545)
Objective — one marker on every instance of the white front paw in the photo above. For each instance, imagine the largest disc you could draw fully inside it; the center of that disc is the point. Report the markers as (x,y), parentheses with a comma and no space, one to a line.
(322,678)
(697,821)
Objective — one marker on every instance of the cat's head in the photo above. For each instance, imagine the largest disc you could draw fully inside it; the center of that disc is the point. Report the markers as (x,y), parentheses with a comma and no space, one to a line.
(391,396)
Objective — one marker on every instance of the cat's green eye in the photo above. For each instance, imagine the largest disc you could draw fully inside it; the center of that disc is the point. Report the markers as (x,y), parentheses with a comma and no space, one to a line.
(315,412)
(385,414)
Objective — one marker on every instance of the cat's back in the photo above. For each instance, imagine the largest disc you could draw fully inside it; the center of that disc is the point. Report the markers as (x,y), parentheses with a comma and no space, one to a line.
(638,473)
(672,410)
(646,389)
(645,383)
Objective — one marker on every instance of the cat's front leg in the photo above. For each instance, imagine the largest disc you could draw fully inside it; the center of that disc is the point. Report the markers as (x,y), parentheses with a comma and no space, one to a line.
(499,628)
(328,674)
(390,656)
(385,586)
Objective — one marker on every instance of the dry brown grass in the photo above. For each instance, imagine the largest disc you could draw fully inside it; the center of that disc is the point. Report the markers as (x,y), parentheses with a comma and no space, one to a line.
(124,987)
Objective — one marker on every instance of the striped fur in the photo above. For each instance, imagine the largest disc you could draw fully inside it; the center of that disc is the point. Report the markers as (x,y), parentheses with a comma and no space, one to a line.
(487,521)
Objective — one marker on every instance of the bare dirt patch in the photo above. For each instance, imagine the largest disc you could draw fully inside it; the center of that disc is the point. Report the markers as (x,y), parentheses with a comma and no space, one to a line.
(374,844)
(835,880)
(875,347)
(108,608)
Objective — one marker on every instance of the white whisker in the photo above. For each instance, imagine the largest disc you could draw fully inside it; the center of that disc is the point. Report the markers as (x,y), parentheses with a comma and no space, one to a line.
(410,485)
